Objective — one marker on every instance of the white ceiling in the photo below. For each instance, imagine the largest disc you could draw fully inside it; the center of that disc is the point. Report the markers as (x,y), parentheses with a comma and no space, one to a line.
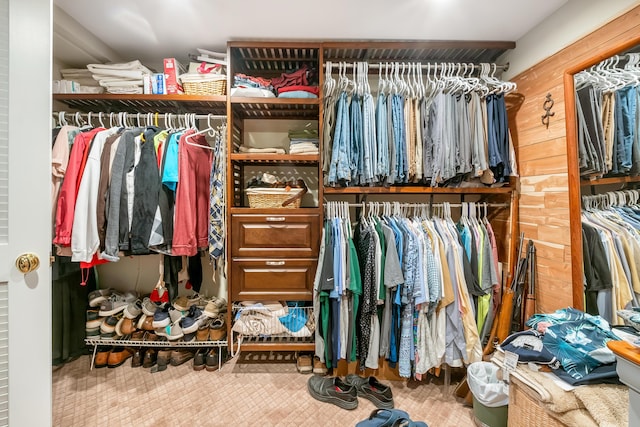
(153,29)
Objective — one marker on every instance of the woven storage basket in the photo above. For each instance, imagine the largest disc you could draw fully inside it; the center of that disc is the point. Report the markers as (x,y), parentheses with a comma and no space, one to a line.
(525,410)
(273,197)
(215,86)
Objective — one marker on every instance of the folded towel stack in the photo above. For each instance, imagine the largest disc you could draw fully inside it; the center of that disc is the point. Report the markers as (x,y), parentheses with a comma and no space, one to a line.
(76,80)
(122,78)
(303,142)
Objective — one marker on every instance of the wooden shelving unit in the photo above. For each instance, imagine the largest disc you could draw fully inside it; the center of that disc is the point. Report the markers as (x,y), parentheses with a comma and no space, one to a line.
(105,102)
(609,181)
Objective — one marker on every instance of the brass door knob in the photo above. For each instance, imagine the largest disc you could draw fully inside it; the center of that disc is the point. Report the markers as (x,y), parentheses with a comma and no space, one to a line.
(27,263)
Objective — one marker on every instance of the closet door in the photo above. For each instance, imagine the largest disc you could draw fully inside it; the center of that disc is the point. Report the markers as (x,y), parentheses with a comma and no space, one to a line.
(25,147)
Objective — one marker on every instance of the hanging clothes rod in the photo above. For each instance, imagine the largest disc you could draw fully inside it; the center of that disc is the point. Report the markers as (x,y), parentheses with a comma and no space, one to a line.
(410,205)
(437,66)
(141,115)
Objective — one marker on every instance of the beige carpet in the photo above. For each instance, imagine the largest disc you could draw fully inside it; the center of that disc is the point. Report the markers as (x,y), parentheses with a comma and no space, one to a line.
(250,391)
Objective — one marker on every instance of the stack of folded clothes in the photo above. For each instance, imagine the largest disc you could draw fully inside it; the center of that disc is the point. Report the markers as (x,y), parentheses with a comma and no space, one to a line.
(298,84)
(121,78)
(250,86)
(82,79)
(303,142)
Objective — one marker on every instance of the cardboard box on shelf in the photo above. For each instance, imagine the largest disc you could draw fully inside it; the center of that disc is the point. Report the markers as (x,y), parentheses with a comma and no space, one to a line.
(172,69)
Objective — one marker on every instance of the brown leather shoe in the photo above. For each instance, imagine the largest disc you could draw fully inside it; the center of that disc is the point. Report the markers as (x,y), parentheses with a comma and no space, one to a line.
(203,332)
(178,357)
(102,356)
(147,325)
(137,336)
(212,360)
(128,326)
(138,356)
(217,329)
(150,336)
(118,356)
(162,360)
(150,358)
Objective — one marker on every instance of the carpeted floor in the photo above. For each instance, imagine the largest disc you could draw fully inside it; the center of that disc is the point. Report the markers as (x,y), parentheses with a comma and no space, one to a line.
(248,391)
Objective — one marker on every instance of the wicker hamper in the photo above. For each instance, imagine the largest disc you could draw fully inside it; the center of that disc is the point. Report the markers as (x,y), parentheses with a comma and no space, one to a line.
(205,85)
(525,410)
(274,197)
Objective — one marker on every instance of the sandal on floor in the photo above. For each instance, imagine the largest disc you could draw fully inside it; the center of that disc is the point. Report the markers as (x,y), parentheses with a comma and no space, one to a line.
(384,418)
(407,422)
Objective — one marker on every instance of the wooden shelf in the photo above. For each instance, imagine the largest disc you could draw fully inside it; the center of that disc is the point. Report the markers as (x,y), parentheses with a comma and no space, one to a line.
(276,344)
(418,190)
(274,101)
(213,104)
(608,181)
(273,211)
(275,108)
(275,158)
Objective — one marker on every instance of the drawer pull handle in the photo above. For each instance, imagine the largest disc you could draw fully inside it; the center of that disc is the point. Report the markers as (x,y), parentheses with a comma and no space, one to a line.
(275,218)
(275,262)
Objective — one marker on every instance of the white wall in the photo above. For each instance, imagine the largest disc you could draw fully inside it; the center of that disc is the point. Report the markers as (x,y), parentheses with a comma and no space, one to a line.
(571,22)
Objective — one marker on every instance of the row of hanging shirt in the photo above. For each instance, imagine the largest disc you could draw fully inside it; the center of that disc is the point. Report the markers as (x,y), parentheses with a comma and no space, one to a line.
(435,131)
(414,289)
(611,252)
(137,188)
(608,115)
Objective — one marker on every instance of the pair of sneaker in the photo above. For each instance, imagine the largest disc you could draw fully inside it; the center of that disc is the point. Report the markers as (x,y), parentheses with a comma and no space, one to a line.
(215,307)
(116,302)
(167,323)
(345,393)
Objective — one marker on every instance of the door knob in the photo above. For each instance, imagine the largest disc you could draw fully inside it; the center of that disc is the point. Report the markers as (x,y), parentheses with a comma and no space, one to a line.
(27,263)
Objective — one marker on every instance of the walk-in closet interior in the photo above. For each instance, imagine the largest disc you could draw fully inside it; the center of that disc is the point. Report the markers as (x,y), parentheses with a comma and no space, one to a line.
(352,214)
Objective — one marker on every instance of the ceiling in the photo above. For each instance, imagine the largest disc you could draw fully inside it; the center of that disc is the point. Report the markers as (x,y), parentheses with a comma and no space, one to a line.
(150,30)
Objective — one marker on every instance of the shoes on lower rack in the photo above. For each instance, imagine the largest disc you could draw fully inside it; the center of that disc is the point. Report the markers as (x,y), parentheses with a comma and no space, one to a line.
(333,390)
(372,389)
(303,364)
(102,356)
(199,359)
(118,356)
(138,357)
(179,356)
(212,359)
(162,360)
(150,358)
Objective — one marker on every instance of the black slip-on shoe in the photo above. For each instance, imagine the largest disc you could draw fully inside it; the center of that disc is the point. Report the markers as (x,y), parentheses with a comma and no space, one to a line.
(370,388)
(333,390)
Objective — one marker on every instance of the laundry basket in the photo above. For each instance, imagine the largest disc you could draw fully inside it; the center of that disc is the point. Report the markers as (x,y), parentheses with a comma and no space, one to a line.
(275,197)
(204,84)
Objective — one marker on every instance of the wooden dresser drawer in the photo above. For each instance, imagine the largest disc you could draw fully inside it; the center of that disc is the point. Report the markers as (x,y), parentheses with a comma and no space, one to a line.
(281,279)
(276,235)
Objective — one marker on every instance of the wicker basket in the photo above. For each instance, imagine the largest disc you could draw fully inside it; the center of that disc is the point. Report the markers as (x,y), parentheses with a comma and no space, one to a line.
(274,197)
(215,86)
(525,410)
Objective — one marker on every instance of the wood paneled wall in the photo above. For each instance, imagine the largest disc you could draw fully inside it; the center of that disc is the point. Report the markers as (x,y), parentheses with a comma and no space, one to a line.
(542,158)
